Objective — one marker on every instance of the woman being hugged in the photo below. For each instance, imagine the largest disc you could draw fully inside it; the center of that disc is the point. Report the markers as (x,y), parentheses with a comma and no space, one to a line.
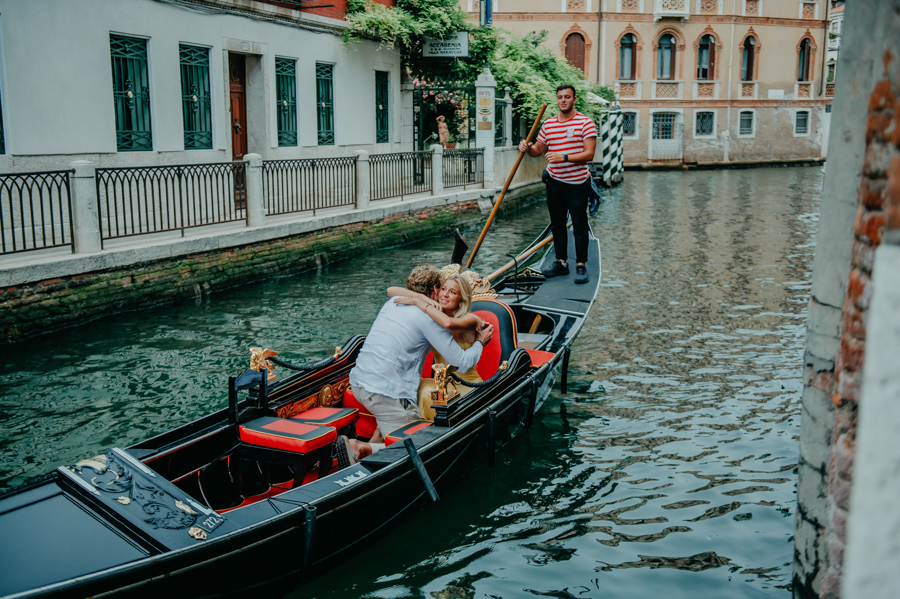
(452,311)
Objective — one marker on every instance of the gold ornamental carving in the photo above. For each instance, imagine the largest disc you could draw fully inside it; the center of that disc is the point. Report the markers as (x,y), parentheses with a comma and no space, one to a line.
(259,360)
(328,396)
(445,390)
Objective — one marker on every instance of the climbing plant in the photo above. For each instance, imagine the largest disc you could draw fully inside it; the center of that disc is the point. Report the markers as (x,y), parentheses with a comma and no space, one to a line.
(531,71)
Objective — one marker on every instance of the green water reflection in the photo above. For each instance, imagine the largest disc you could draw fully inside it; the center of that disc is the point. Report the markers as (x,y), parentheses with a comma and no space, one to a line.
(668,469)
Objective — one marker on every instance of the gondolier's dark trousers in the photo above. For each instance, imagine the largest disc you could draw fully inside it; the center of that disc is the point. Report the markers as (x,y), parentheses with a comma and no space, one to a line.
(564,199)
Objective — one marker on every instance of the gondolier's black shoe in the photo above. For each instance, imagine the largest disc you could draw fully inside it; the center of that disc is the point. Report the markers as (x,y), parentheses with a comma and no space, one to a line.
(346,457)
(581,275)
(556,269)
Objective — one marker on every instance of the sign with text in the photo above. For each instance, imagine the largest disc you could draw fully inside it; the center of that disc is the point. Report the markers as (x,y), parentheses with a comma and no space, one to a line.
(454,46)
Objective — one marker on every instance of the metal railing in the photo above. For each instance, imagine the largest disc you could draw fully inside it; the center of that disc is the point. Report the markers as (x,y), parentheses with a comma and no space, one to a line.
(308,184)
(463,167)
(35,211)
(154,199)
(399,174)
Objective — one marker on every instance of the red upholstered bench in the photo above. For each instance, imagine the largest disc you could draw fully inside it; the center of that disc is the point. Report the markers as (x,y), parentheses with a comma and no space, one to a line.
(286,434)
(406,430)
(337,418)
(365,426)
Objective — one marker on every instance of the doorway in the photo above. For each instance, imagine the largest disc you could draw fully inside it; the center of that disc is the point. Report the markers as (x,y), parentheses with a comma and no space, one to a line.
(237,81)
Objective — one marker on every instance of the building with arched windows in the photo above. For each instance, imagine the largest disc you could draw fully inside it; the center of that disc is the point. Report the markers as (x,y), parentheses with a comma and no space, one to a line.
(700,81)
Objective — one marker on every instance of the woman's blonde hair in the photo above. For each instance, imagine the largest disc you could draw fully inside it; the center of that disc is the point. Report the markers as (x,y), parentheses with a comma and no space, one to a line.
(465,295)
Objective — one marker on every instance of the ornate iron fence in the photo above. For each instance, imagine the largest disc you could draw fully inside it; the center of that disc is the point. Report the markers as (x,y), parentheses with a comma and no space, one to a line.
(35,211)
(400,174)
(463,167)
(309,184)
(154,199)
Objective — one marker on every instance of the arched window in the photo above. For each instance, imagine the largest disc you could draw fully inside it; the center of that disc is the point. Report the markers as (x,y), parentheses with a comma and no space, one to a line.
(804,60)
(575,50)
(627,57)
(706,58)
(747,59)
(665,57)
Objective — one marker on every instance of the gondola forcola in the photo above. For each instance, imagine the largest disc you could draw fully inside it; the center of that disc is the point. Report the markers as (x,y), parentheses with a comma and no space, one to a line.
(250,498)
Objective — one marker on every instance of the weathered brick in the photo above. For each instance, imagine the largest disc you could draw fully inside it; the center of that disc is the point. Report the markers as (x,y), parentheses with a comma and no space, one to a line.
(859,289)
(843,454)
(892,204)
(852,355)
(869,225)
(839,489)
(854,325)
(862,256)
(848,385)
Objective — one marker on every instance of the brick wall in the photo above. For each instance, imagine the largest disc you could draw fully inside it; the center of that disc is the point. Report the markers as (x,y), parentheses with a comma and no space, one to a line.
(880,160)
(52,304)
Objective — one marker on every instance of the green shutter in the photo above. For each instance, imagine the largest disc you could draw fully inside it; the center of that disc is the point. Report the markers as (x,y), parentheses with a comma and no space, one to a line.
(382,133)
(325,103)
(131,93)
(286,95)
(195,97)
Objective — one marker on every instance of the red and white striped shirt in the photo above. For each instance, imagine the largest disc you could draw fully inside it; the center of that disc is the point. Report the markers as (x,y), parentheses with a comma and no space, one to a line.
(567,137)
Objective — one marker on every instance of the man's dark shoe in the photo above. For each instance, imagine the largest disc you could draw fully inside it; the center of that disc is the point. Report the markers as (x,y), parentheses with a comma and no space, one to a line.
(581,275)
(556,269)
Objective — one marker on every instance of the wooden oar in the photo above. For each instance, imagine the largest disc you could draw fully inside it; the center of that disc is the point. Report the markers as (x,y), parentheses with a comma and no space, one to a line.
(487,225)
(521,257)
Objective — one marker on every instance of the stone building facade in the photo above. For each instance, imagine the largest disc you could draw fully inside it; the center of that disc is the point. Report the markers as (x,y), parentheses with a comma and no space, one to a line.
(154,82)
(700,81)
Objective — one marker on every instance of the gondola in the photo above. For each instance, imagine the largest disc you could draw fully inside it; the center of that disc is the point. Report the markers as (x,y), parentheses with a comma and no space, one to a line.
(250,498)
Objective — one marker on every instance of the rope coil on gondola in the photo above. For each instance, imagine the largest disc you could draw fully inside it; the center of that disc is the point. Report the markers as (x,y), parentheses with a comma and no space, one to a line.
(326,362)
(261,358)
(474,384)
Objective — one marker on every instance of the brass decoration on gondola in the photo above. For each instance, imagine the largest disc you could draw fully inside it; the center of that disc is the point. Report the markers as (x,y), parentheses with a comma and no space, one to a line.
(445,389)
(259,360)
(124,500)
(337,352)
(198,533)
(504,365)
(328,396)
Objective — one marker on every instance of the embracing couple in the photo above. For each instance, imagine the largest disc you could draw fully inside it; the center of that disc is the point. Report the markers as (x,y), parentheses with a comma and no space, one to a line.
(432,313)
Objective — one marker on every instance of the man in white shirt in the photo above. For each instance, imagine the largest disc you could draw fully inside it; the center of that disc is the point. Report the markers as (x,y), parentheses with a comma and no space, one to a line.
(386,376)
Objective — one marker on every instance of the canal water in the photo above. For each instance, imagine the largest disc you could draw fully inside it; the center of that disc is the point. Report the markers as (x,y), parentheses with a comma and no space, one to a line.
(668,470)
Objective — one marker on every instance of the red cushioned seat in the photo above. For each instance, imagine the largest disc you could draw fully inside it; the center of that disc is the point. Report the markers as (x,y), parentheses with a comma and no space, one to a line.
(539,357)
(503,339)
(406,430)
(286,434)
(365,426)
(334,417)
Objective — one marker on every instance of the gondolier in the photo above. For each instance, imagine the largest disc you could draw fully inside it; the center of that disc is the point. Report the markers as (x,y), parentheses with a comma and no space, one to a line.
(569,139)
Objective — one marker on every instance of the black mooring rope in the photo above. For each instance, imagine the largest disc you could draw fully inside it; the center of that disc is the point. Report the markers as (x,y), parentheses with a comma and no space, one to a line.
(289,366)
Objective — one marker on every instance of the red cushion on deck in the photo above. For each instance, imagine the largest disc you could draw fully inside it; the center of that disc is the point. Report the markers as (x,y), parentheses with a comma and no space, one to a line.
(503,340)
(406,430)
(426,368)
(286,434)
(539,358)
(365,426)
(336,417)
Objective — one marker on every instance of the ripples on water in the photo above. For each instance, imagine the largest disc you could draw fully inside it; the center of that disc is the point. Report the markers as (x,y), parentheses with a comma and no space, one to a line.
(667,470)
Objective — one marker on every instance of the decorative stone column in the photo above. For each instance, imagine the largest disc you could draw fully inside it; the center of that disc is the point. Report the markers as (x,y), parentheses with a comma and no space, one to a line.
(437,169)
(363,193)
(507,116)
(485,86)
(256,207)
(85,215)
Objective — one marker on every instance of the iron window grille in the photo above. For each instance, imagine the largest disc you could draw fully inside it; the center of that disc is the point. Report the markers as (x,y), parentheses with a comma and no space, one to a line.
(664,125)
(705,124)
(746,123)
(382,132)
(131,93)
(286,94)
(801,123)
(195,97)
(325,103)
(629,124)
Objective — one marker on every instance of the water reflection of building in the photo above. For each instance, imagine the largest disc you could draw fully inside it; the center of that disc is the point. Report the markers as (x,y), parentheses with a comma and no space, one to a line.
(699,80)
